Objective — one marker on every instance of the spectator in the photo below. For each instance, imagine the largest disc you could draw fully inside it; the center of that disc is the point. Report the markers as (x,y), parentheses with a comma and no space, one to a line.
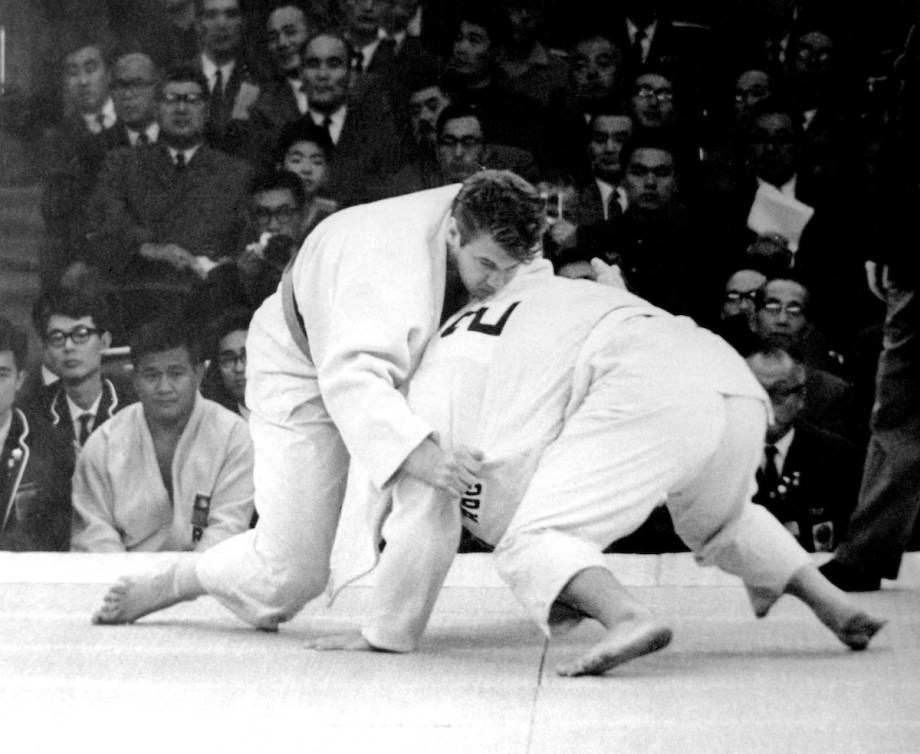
(71,155)
(305,150)
(555,137)
(829,252)
(224,379)
(276,207)
(134,82)
(531,69)
(358,117)
(171,472)
(232,88)
(181,43)
(596,67)
(782,321)
(738,312)
(166,214)
(34,467)
(610,128)
(809,477)
(282,99)
(75,330)
(656,241)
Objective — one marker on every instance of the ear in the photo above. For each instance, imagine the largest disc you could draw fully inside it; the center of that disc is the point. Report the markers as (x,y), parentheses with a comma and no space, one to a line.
(106,339)
(20,379)
(453,232)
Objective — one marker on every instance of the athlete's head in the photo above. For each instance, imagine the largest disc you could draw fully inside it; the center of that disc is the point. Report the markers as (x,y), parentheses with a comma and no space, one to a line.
(496,224)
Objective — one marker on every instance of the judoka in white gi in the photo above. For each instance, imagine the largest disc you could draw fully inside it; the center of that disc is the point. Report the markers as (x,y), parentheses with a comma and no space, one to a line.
(591,407)
(368,288)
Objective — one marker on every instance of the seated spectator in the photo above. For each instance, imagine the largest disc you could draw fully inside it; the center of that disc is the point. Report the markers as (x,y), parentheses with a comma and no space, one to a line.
(656,241)
(554,136)
(531,69)
(810,477)
(358,116)
(738,311)
(171,472)
(164,215)
(224,380)
(71,154)
(463,147)
(609,128)
(596,71)
(75,330)
(282,99)
(35,466)
(134,82)
(276,205)
(305,150)
(831,249)
(783,321)
(232,87)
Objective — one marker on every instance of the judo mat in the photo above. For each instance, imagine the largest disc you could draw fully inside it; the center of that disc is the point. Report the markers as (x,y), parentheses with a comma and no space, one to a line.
(195,678)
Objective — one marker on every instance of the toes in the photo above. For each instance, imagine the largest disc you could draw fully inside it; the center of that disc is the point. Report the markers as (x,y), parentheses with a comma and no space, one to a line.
(859,630)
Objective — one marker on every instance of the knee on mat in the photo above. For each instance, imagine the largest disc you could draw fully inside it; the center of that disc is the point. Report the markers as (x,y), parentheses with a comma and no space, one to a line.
(288,593)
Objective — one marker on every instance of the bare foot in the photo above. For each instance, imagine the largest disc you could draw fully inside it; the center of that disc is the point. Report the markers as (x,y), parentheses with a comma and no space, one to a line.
(858,631)
(624,642)
(133,597)
(352,641)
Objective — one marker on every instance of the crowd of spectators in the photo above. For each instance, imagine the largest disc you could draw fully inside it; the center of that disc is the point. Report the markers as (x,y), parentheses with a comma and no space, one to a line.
(732,169)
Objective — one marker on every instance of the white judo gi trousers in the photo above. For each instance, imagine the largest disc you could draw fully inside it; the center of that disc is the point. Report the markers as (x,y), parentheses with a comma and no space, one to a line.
(637,436)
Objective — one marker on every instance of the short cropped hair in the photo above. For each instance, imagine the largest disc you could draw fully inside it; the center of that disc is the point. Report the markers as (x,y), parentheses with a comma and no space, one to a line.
(644,139)
(777,105)
(73,304)
(164,335)
(303,129)
(15,340)
(279,180)
(183,73)
(336,32)
(224,324)
(506,207)
(456,111)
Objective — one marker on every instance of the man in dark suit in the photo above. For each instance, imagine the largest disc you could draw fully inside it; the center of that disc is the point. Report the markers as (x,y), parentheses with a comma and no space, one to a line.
(165,214)
(232,86)
(35,469)
(809,478)
(357,115)
(75,330)
(134,81)
(71,154)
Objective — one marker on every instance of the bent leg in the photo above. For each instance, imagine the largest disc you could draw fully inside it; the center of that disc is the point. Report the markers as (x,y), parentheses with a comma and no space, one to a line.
(632,629)
(266,575)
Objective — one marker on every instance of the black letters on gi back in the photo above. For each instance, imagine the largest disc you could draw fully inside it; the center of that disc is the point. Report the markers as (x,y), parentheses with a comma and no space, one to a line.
(477,324)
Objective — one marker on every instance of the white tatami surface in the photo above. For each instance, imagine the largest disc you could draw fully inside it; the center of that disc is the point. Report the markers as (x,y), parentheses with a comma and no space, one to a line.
(195,679)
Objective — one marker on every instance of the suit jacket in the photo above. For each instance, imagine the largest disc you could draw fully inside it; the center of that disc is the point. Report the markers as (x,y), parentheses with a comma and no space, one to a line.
(35,471)
(141,197)
(232,131)
(370,149)
(819,486)
(275,107)
(55,409)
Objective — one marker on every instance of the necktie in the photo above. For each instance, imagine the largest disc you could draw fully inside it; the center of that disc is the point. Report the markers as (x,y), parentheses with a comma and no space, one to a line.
(142,139)
(327,124)
(85,420)
(100,123)
(771,471)
(216,102)
(180,161)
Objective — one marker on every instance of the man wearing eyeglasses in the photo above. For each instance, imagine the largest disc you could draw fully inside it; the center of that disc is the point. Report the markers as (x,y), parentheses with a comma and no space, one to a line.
(134,80)
(164,216)
(783,320)
(74,330)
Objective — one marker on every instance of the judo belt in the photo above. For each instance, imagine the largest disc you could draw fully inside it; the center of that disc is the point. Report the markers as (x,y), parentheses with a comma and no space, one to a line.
(291,313)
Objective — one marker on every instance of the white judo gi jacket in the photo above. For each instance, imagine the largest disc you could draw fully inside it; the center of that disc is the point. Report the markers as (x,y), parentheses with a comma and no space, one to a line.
(120,502)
